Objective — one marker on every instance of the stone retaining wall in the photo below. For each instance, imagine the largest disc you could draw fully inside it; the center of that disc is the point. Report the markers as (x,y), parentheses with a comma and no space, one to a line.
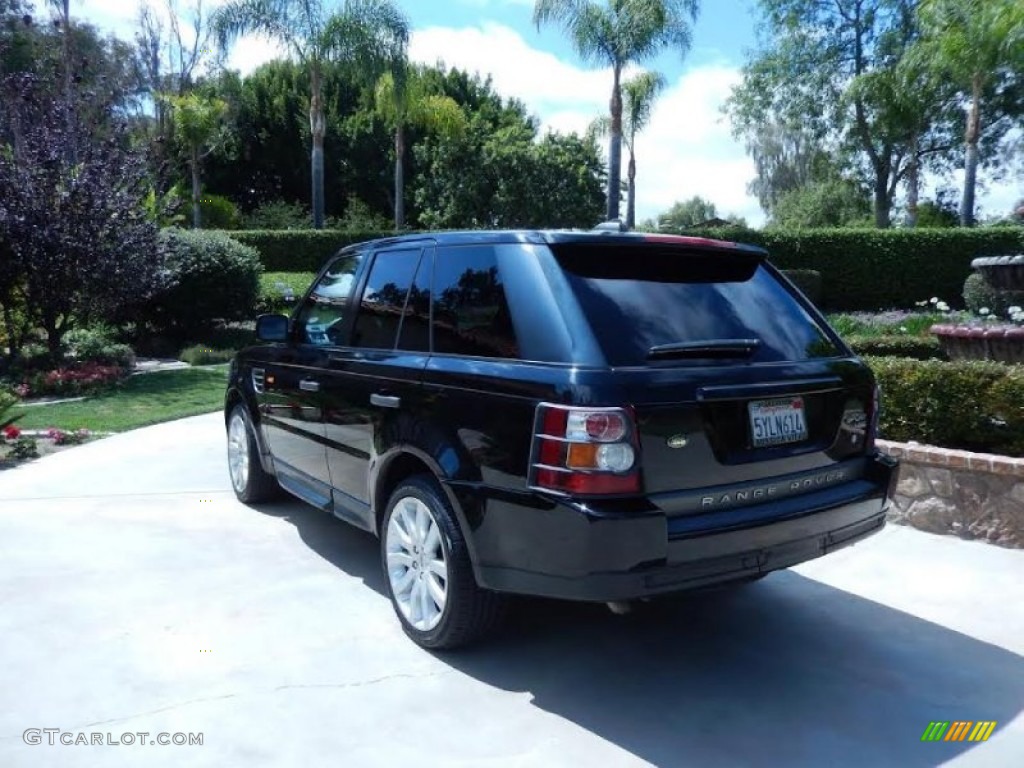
(971,495)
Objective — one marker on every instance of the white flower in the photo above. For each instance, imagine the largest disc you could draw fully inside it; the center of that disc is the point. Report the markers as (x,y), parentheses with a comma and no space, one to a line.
(1015,310)
(942,306)
(903,329)
(984,311)
(934,300)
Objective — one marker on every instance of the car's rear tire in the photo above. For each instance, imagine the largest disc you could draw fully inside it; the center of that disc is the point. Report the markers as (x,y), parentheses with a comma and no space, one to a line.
(428,571)
(251,483)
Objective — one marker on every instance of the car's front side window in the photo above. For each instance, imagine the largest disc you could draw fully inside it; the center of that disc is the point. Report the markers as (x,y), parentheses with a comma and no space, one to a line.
(321,319)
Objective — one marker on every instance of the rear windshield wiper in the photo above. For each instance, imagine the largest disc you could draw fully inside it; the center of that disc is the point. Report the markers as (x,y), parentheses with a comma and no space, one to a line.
(708,348)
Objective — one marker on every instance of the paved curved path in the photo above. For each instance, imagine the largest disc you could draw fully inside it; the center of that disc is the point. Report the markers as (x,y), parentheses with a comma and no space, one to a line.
(136,595)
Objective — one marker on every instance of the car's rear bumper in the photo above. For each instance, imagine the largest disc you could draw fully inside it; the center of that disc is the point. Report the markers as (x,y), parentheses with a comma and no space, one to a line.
(583,553)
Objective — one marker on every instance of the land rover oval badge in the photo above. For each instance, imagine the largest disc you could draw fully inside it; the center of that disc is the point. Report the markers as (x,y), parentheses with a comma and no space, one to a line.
(677,441)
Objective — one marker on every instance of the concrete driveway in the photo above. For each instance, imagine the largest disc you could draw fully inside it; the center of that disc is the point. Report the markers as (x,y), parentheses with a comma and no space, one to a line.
(139,597)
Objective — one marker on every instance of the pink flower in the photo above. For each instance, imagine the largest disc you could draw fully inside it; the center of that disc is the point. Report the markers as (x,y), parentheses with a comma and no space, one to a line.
(12,433)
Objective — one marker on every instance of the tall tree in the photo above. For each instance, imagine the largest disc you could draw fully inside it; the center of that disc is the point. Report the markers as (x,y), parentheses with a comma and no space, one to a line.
(640,94)
(403,99)
(810,71)
(617,33)
(79,236)
(367,34)
(786,157)
(63,7)
(198,125)
(687,214)
(979,45)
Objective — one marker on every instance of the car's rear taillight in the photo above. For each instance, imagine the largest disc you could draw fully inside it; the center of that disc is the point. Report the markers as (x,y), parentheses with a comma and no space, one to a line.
(585,451)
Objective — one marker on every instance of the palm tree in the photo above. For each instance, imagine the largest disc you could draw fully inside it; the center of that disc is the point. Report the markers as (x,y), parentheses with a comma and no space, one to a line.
(974,43)
(198,122)
(403,100)
(640,94)
(367,34)
(617,33)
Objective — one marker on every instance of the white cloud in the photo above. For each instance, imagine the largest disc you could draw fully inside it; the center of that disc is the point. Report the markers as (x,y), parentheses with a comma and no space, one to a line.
(687,149)
(121,18)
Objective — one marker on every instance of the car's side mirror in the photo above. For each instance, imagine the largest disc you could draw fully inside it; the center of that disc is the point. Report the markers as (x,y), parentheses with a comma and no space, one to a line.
(272,328)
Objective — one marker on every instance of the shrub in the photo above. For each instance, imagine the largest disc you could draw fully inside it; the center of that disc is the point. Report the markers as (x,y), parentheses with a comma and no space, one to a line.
(202,355)
(7,401)
(301,250)
(218,213)
(276,287)
(61,437)
(24,448)
(808,281)
(916,347)
(979,294)
(212,277)
(278,215)
(34,356)
(869,269)
(97,345)
(974,405)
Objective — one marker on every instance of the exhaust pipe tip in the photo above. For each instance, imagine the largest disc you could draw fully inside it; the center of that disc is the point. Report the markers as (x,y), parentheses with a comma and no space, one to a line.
(620,607)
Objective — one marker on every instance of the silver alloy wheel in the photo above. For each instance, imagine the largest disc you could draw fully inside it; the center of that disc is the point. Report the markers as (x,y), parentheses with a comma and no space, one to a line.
(417,569)
(238,452)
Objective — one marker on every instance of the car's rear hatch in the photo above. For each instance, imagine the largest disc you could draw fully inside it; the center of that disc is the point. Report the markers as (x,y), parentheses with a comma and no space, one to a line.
(734,382)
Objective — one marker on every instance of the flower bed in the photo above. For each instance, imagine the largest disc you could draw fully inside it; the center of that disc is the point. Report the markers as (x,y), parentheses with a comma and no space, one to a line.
(17,446)
(71,381)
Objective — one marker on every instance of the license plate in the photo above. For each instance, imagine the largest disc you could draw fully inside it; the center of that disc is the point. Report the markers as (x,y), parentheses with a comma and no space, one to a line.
(777,422)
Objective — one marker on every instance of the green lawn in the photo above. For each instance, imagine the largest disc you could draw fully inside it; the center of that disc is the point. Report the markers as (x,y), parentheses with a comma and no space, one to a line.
(141,400)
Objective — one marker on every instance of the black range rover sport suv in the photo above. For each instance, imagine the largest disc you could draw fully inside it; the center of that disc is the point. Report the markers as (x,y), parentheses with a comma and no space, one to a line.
(595,416)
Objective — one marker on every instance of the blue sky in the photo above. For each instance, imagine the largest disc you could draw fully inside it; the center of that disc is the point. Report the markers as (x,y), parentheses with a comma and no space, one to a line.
(688,148)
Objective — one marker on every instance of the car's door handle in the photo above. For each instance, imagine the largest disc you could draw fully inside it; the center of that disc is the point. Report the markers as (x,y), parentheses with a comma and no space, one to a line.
(385,401)
(309,386)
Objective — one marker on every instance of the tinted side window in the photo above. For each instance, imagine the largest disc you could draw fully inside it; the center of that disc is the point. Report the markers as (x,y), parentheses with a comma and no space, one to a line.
(383,304)
(415,333)
(320,319)
(471,313)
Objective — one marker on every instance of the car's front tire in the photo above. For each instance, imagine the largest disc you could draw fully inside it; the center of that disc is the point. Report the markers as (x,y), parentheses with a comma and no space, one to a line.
(251,483)
(428,571)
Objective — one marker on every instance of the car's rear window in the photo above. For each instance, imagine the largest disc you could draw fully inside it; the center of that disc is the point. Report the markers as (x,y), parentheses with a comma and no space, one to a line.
(638,298)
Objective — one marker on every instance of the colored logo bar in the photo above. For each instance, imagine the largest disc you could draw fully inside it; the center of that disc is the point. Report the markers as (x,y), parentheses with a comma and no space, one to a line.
(958,730)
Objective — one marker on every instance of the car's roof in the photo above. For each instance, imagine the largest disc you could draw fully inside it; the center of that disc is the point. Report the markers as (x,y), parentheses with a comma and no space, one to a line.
(560,237)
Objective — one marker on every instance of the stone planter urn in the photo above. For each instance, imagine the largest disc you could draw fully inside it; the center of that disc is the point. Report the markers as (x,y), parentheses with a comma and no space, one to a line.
(1003,342)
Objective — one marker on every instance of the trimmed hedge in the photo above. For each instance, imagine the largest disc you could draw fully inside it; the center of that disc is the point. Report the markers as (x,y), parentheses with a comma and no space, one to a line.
(211,277)
(915,347)
(973,405)
(301,250)
(861,269)
(870,269)
(273,298)
(808,281)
